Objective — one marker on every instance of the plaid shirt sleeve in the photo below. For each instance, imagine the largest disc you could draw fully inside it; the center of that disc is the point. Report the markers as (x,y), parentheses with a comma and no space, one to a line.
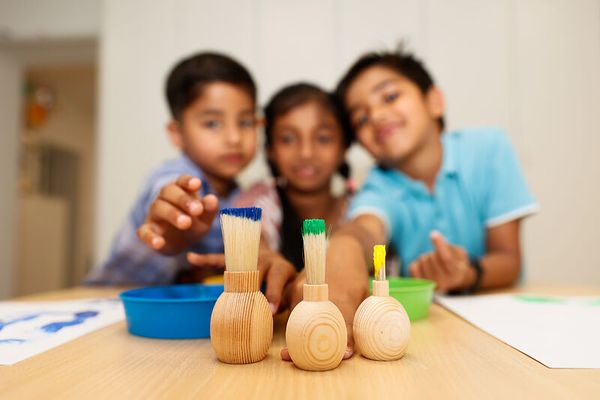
(131,261)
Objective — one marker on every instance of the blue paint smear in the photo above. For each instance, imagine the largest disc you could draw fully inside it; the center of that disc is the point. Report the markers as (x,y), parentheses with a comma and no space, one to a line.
(11,341)
(80,318)
(20,319)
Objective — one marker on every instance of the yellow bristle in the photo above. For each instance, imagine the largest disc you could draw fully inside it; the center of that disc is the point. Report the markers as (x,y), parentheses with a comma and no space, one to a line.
(241,238)
(379,262)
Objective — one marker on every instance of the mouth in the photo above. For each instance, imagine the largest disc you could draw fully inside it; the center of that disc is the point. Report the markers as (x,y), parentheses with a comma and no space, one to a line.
(233,158)
(306,171)
(384,132)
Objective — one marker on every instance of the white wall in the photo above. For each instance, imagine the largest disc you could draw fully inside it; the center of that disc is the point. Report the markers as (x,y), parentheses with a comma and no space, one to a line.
(529,66)
(49,19)
(9,128)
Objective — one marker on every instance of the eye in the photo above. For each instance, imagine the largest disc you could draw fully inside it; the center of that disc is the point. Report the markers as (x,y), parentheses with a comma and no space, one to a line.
(247,123)
(287,138)
(211,124)
(325,138)
(390,97)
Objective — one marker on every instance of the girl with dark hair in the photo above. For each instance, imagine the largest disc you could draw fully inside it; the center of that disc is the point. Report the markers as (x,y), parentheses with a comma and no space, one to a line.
(306,143)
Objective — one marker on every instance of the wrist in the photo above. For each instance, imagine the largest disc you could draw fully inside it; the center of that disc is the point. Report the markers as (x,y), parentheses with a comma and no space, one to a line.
(472,279)
(469,279)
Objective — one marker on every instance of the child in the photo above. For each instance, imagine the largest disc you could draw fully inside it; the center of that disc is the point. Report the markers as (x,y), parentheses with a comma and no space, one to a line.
(305,145)
(450,203)
(212,100)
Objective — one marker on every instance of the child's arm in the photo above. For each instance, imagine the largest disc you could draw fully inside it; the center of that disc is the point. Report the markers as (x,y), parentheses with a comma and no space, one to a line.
(178,217)
(347,272)
(449,265)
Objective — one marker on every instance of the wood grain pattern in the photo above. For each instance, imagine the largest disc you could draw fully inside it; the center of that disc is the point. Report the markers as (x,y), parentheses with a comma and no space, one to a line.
(381,328)
(241,325)
(447,358)
(381,325)
(316,333)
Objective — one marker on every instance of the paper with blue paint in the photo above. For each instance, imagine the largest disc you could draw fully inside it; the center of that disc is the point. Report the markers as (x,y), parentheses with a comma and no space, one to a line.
(559,332)
(30,328)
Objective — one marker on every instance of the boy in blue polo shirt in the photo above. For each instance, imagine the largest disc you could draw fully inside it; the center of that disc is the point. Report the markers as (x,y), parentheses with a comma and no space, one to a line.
(450,203)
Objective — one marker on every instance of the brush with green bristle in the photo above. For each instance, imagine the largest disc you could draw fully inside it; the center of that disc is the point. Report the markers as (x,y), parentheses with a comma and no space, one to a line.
(315,247)
(316,333)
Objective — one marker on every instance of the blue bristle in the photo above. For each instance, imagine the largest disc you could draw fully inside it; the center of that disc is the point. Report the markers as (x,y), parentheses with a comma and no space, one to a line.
(252,213)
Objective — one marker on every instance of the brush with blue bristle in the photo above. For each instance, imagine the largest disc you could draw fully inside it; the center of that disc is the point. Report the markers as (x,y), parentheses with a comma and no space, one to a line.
(241,237)
(241,324)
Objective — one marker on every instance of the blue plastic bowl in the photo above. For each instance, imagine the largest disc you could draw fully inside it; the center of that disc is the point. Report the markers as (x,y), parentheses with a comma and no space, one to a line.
(171,312)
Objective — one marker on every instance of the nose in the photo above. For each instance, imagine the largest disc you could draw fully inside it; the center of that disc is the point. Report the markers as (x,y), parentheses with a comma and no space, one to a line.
(306,149)
(379,114)
(233,136)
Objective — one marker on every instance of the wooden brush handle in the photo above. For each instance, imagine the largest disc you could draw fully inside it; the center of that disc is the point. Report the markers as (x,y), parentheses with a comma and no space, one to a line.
(315,292)
(381,328)
(316,335)
(241,281)
(381,288)
(241,326)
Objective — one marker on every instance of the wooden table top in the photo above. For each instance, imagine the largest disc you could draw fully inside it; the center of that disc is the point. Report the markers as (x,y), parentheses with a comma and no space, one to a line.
(447,358)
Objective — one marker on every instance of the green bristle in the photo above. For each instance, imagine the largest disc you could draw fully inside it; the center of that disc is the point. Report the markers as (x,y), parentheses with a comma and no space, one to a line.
(313,227)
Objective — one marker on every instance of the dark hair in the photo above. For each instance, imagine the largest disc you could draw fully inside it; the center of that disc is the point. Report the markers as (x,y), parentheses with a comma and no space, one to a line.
(187,79)
(399,61)
(285,100)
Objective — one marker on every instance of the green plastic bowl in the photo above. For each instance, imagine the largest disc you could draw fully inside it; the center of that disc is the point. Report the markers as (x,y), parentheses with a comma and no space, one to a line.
(415,295)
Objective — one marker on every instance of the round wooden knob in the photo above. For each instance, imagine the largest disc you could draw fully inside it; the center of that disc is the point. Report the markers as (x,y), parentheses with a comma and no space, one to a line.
(241,327)
(381,328)
(316,335)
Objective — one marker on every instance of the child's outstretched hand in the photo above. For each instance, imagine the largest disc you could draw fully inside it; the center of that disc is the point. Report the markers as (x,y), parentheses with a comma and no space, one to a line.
(275,270)
(448,266)
(178,217)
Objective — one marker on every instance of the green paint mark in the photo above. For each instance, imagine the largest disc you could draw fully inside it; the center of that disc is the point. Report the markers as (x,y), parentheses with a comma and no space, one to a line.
(313,227)
(539,299)
(558,300)
(592,302)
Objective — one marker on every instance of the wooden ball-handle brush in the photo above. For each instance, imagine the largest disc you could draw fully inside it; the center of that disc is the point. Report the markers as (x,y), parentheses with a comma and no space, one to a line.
(381,326)
(241,324)
(316,333)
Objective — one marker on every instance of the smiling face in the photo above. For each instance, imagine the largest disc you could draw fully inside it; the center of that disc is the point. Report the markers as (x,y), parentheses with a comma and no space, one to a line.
(307,147)
(218,130)
(391,116)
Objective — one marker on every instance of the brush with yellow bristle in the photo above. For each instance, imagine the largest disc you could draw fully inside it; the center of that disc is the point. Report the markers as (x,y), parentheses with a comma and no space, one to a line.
(241,325)
(379,262)
(381,326)
(316,333)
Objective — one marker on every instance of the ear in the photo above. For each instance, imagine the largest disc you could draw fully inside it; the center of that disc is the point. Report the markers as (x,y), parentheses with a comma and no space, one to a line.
(175,134)
(435,102)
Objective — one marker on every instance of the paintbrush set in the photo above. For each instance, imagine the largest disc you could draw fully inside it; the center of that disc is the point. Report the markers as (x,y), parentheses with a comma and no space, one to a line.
(241,326)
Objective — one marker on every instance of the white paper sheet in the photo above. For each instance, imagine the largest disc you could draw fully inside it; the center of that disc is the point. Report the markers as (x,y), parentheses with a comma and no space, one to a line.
(29,328)
(559,332)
